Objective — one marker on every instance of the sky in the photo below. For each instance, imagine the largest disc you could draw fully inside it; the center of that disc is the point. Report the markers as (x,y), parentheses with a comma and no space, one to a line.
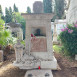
(21,4)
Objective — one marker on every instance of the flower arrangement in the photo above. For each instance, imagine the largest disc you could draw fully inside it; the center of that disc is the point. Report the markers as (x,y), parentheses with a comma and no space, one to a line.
(68,38)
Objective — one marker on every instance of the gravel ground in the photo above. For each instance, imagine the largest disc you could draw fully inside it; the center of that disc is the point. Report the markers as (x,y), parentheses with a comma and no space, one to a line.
(68,67)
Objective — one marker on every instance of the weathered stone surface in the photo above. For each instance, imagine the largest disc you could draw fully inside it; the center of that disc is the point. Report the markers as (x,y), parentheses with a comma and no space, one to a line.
(18,51)
(1,55)
(16,30)
(38,44)
(75,57)
(72,11)
(39,73)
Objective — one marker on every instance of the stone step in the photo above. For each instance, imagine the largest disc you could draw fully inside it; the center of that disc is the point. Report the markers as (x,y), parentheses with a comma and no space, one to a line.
(39,73)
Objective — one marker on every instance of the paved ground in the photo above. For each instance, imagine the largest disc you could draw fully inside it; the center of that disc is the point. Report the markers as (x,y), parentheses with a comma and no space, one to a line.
(68,67)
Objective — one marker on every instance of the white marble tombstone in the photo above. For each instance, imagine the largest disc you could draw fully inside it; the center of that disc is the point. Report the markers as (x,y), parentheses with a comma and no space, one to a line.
(38,49)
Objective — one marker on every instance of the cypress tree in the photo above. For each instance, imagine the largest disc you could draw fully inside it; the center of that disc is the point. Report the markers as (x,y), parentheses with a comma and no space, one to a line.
(0,10)
(10,13)
(7,15)
(47,6)
(15,9)
(28,10)
(59,8)
(1,13)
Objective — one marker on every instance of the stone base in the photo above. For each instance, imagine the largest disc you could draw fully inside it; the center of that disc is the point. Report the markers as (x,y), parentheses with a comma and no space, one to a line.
(39,73)
(75,57)
(43,64)
(1,55)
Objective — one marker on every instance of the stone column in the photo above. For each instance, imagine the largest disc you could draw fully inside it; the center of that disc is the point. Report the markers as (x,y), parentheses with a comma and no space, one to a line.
(55,34)
(49,37)
(28,39)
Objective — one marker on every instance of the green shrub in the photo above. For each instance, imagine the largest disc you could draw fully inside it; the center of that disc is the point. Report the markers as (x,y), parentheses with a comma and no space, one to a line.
(68,38)
(1,24)
(6,38)
(56,48)
(23,42)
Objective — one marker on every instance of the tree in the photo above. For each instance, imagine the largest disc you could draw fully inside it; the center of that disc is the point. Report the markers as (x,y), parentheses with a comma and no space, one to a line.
(10,10)
(47,6)
(15,9)
(38,7)
(1,13)
(28,10)
(1,10)
(8,17)
(10,13)
(59,8)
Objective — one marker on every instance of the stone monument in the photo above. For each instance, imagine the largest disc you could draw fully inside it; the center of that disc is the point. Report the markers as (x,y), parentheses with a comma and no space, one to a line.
(38,51)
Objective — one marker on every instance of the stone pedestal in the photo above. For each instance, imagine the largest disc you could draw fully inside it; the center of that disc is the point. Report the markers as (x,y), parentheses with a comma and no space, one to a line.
(39,73)
(1,55)
(18,51)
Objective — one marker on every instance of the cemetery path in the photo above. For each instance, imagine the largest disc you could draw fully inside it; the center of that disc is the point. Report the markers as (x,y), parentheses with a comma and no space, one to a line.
(68,67)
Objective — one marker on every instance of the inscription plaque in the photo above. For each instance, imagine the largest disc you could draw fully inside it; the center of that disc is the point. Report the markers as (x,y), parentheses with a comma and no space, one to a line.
(38,44)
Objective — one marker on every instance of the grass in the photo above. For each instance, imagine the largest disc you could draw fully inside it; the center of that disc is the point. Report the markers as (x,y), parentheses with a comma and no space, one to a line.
(57,48)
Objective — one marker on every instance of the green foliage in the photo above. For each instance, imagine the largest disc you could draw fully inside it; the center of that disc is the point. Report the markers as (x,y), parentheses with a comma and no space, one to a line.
(1,13)
(1,21)
(0,10)
(47,6)
(28,10)
(8,15)
(68,38)
(1,24)
(15,9)
(56,48)
(23,42)
(6,38)
(59,8)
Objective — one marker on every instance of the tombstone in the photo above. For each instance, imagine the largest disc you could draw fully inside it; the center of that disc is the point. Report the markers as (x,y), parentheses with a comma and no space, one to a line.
(1,55)
(38,49)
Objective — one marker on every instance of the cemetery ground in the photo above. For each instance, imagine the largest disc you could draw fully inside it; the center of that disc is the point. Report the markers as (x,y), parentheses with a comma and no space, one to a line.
(68,67)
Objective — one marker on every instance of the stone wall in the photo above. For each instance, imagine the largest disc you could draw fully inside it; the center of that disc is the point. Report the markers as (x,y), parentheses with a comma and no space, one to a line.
(72,11)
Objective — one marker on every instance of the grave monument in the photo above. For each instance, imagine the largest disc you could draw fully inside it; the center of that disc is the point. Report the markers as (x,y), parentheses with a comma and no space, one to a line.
(38,51)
